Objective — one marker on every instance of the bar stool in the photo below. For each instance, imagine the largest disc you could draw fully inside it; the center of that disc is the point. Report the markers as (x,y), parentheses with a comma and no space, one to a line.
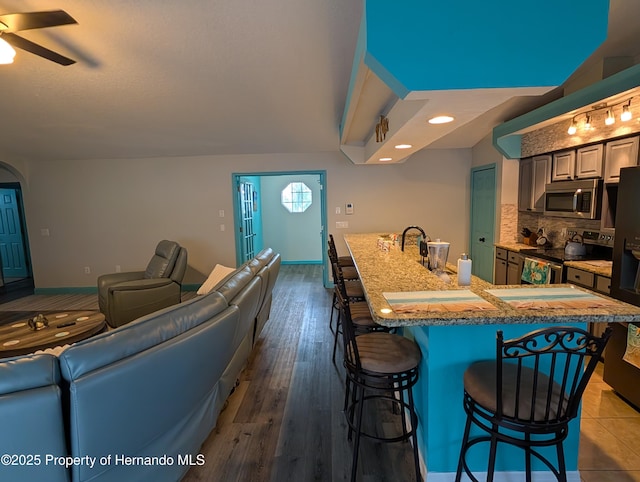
(379,366)
(352,283)
(528,395)
(358,310)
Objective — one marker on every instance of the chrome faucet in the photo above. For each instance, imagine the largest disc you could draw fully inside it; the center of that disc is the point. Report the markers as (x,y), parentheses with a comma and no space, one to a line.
(424,236)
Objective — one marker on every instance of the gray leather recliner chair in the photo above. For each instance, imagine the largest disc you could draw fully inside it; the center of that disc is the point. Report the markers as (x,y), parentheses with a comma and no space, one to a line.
(123,297)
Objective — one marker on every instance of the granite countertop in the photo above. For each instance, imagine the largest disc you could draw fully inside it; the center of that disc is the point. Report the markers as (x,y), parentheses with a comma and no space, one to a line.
(397,271)
(602,268)
(513,246)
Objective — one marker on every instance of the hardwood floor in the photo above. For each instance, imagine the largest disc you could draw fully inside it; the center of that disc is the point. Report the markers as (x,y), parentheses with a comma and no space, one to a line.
(285,419)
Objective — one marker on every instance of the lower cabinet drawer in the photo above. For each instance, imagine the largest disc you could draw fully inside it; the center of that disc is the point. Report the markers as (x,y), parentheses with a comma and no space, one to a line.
(579,277)
(501,253)
(603,284)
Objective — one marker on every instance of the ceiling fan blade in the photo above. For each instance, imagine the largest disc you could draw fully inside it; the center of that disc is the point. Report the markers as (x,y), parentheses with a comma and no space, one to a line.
(27,21)
(36,49)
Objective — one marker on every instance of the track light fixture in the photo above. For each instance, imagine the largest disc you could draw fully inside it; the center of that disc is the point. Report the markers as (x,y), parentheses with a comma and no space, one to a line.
(626,113)
(610,119)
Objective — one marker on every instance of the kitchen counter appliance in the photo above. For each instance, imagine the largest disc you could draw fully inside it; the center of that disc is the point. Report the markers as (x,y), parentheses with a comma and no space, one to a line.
(624,377)
(573,199)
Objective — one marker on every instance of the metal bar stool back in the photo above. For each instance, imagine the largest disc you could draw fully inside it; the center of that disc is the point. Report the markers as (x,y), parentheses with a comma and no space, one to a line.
(528,395)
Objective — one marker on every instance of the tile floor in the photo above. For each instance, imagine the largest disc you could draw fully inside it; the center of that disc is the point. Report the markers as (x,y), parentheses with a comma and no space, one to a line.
(609,437)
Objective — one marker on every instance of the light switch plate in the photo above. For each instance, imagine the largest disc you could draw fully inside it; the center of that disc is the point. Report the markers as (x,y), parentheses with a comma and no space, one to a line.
(348,208)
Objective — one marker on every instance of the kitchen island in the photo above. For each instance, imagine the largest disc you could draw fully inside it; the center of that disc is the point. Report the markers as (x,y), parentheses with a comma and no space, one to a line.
(455,326)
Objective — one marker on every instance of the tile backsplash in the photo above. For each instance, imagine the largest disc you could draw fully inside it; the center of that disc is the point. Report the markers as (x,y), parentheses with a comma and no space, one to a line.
(553,226)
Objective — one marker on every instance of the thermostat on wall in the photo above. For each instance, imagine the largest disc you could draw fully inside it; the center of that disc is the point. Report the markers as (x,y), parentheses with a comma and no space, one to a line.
(349,208)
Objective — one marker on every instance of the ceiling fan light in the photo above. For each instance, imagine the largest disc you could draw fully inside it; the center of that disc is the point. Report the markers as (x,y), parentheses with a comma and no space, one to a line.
(626,113)
(7,53)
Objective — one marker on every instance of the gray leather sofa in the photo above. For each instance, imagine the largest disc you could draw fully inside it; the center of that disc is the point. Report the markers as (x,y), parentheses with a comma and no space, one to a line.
(123,297)
(153,388)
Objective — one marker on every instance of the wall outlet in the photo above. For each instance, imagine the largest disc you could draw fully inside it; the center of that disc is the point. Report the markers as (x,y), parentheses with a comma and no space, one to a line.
(44,232)
(87,270)
(348,208)
(222,227)
(117,268)
(221,213)
(338,210)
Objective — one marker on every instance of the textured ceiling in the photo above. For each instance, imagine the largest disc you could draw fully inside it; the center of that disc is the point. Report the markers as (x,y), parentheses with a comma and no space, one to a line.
(167,78)
(159,78)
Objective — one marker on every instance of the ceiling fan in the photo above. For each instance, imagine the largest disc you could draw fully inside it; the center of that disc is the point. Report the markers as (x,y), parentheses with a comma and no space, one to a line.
(15,22)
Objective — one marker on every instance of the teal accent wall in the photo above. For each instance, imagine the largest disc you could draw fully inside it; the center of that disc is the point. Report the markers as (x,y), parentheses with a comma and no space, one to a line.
(467,44)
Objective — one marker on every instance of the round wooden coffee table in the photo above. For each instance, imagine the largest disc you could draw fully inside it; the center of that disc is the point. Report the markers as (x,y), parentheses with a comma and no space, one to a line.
(64,328)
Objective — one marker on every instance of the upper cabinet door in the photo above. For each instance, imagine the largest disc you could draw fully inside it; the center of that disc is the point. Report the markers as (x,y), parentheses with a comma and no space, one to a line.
(589,162)
(619,154)
(541,176)
(525,196)
(564,164)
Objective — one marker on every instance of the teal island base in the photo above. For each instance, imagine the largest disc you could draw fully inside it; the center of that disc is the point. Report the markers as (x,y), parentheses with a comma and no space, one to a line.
(447,351)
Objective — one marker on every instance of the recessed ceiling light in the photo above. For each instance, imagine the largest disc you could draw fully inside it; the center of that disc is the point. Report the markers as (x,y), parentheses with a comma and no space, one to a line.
(385,159)
(441,119)
(404,146)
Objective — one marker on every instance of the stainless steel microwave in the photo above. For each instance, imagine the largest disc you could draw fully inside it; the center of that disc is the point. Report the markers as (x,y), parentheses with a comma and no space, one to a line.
(573,199)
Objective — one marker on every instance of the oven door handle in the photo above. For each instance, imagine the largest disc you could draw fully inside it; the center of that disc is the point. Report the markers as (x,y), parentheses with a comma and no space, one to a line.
(575,199)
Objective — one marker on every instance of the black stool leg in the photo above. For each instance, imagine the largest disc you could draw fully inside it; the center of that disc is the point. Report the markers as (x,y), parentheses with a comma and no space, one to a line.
(463,448)
(492,454)
(335,339)
(527,453)
(562,469)
(414,435)
(358,431)
(333,308)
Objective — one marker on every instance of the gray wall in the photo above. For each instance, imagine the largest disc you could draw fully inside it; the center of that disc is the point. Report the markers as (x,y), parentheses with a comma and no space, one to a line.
(113,212)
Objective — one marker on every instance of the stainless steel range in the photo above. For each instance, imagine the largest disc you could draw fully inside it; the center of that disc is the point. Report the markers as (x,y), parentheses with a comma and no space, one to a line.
(599,246)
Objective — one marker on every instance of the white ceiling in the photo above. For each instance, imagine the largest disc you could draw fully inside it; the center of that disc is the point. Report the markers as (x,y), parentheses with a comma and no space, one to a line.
(159,78)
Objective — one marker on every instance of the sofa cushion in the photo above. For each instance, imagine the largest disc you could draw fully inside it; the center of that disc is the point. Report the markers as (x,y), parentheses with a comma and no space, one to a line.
(218,274)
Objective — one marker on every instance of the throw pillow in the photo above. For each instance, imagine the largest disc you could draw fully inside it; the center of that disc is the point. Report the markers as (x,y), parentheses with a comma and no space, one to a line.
(219,272)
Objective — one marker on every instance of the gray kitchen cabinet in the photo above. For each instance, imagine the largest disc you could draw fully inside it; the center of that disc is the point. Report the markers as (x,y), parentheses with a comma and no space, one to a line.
(564,166)
(618,154)
(580,277)
(514,268)
(603,284)
(589,162)
(525,184)
(535,173)
(500,268)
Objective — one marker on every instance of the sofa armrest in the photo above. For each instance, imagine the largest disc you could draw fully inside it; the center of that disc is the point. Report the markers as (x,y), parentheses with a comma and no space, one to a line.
(140,284)
(106,280)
